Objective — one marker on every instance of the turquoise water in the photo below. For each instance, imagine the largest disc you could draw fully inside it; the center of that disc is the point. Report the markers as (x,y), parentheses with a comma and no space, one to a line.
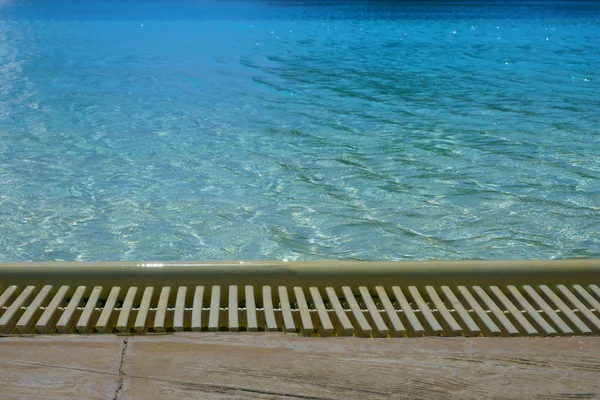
(175,130)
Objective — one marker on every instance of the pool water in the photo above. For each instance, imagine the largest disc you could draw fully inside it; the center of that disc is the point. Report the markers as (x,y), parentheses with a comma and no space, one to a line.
(299,130)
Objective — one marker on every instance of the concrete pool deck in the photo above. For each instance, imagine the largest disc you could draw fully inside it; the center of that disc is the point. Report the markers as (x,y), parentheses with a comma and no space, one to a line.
(221,365)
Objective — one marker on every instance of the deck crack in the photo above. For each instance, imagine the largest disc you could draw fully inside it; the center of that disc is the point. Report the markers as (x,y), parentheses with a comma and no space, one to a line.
(121,373)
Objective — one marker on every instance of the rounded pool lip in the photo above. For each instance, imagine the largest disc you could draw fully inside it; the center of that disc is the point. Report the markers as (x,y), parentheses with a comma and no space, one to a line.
(304,273)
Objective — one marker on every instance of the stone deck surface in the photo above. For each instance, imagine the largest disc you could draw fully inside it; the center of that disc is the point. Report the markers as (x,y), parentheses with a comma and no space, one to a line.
(276,366)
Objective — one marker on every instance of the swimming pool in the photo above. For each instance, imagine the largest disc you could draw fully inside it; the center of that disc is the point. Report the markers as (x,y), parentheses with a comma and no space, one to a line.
(299,130)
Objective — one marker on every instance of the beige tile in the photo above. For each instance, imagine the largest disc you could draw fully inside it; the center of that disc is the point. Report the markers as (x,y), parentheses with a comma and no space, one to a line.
(273,365)
(59,367)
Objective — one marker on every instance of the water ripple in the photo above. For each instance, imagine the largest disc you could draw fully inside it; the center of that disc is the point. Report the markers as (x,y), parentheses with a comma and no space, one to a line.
(299,130)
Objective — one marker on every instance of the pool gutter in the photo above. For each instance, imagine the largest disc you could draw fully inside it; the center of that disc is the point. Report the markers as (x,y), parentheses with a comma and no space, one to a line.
(321,298)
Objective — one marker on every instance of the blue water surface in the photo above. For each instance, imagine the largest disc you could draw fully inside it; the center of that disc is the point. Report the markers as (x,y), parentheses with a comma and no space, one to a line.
(297,130)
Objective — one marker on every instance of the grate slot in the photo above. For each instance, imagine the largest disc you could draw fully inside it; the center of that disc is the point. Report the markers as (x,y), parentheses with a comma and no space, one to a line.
(47,321)
(567,312)
(7,295)
(345,326)
(27,320)
(13,312)
(461,311)
(499,314)
(326,326)
(66,321)
(596,290)
(408,311)
(517,314)
(485,319)
(549,311)
(550,331)
(588,297)
(390,311)
(85,317)
(361,321)
(373,311)
(425,310)
(443,310)
(579,305)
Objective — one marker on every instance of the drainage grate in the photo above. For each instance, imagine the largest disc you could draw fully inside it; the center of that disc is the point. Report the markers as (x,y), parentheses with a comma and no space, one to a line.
(388,309)
(378,311)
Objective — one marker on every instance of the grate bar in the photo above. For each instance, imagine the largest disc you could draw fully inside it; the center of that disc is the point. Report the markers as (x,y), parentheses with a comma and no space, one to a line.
(103,324)
(123,321)
(346,327)
(197,309)
(363,325)
(286,310)
(326,326)
(215,310)
(268,309)
(142,315)
(307,325)
(178,318)
(234,324)
(161,310)
(251,309)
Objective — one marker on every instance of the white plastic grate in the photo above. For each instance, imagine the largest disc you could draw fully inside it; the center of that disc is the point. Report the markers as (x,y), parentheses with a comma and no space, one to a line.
(380,311)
